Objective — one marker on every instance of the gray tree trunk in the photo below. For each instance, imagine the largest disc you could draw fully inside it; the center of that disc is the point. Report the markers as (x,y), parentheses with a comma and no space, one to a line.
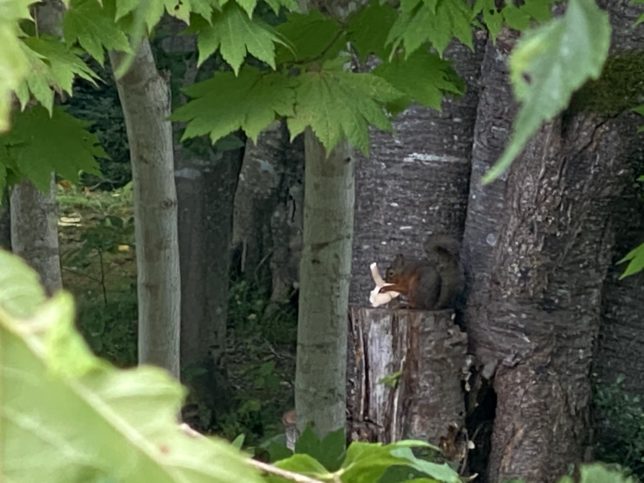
(206,179)
(5,223)
(34,214)
(268,211)
(145,99)
(34,231)
(255,198)
(415,181)
(620,344)
(325,272)
(538,246)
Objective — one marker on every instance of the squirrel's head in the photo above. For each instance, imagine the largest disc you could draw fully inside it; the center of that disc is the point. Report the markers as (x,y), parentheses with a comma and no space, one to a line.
(394,269)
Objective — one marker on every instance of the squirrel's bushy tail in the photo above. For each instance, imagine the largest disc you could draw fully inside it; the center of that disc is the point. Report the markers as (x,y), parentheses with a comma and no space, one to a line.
(442,243)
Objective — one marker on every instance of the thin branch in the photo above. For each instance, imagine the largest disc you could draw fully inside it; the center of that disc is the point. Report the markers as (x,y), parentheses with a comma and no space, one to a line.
(289,475)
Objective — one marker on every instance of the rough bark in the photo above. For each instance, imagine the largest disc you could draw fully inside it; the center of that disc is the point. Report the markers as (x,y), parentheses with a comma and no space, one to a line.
(620,344)
(415,181)
(537,263)
(256,196)
(34,231)
(325,273)
(5,223)
(34,214)
(145,99)
(423,356)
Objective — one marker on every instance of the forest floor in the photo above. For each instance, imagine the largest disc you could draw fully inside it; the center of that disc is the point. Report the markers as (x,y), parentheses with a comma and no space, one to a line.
(99,267)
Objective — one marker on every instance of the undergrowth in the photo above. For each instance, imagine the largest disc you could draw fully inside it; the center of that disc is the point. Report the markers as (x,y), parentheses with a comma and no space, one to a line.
(620,426)
(255,386)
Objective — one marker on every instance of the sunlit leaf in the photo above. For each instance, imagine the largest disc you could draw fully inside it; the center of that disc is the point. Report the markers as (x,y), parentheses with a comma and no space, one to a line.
(225,103)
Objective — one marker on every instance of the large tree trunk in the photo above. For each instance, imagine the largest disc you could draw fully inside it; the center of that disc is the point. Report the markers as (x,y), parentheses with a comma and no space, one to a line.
(538,244)
(620,344)
(34,214)
(145,99)
(415,181)
(34,231)
(325,272)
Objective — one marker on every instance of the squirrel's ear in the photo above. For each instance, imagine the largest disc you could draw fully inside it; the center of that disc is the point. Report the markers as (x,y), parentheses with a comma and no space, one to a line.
(399,258)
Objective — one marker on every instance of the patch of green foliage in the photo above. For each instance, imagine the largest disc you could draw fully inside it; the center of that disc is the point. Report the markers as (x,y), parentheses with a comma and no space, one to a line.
(620,421)
(97,246)
(68,416)
(618,89)
(260,362)
(99,104)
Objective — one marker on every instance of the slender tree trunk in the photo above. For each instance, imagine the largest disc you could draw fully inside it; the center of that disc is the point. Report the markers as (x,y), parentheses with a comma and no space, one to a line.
(538,245)
(34,231)
(34,214)
(256,198)
(325,273)
(145,99)
(268,211)
(206,180)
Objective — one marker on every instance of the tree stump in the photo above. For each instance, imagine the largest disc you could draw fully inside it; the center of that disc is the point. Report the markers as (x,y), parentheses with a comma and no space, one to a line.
(405,374)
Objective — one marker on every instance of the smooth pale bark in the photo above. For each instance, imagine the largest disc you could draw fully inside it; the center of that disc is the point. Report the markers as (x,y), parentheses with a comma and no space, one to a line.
(325,272)
(34,231)
(34,214)
(145,99)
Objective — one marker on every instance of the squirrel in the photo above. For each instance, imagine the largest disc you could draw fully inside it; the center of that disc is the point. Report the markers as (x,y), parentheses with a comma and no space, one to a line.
(432,283)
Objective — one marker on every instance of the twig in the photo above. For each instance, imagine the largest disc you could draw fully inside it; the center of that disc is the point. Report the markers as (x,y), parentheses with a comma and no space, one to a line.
(289,475)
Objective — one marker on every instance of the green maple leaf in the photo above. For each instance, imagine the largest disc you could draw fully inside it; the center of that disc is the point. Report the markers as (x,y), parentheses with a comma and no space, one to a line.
(341,105)
(13,65)
(92,26)
(97,423)
(423,77)
(369,27)
(53,66)
(39,144)
(548,65)
(308,37)
(635,259)
(276,5)
(235,35)
(248,6)
(518,17)
(432,21)
(225,103)
(149,12)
